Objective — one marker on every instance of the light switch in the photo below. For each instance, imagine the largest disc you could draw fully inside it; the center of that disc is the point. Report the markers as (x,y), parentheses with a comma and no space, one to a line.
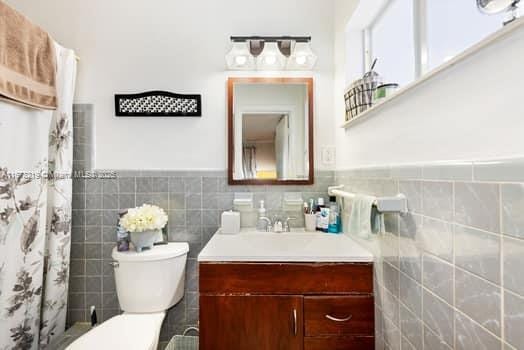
(328,155)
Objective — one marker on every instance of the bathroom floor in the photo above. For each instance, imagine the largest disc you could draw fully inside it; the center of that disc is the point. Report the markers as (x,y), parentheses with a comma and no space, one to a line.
(70,335)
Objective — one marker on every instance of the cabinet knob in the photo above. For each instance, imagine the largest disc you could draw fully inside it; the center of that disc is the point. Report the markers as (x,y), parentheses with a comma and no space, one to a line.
(336,319)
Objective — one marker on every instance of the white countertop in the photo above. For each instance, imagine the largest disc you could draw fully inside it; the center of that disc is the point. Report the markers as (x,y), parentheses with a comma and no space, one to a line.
(296,246)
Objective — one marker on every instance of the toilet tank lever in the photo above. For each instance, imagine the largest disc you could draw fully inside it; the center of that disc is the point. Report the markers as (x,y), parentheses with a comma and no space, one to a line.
(115,264)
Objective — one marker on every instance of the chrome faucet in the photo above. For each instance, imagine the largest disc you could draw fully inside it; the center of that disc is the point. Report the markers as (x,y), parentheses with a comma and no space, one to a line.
(287,228)
(269,225)
(277,225)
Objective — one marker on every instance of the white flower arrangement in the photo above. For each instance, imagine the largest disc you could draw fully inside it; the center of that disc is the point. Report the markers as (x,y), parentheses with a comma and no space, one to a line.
(144,218)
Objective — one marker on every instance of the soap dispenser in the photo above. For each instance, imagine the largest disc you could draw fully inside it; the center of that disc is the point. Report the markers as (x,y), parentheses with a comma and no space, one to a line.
(262,223)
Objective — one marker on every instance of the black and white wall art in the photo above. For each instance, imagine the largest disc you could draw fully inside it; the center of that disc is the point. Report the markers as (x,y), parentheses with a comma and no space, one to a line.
(158,104)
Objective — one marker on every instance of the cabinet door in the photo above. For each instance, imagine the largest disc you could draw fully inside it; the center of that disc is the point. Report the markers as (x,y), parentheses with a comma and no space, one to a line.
(251,322)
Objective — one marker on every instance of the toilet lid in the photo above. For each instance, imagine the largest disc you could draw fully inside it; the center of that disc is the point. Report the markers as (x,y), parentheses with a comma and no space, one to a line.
(126,331)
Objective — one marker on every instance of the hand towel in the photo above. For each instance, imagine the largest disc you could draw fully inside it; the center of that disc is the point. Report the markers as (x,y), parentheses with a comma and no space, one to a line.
(27,61)
(365,219)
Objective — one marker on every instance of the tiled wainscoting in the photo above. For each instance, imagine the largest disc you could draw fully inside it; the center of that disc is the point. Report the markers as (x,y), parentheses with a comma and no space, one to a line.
(193,200)
(449,275)
(83,136)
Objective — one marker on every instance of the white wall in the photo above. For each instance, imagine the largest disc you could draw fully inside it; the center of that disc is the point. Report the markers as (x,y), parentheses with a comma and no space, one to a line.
(473,110)
(344,10)
(131,46)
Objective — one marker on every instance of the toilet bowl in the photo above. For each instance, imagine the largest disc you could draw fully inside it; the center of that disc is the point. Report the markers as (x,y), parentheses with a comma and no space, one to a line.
(126,331)
(147,284)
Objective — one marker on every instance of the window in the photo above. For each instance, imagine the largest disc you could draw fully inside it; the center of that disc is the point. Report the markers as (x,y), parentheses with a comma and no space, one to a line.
(392,43)
(453,26)
(411,37)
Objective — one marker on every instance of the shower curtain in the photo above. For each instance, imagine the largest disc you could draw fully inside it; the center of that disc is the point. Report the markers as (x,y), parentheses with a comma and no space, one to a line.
(249,162)
(36,151)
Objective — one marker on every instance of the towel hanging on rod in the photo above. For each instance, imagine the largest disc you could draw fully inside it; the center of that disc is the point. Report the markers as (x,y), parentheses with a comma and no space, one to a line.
(27,63)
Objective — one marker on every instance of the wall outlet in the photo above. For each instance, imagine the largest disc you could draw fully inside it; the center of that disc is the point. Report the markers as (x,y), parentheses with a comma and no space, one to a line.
(328,155)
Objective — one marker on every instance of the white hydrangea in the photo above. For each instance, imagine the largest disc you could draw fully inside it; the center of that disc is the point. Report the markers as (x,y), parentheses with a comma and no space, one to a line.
(144,218)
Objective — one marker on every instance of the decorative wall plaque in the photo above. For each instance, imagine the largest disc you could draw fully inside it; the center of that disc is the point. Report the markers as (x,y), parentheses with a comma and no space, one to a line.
(158,104)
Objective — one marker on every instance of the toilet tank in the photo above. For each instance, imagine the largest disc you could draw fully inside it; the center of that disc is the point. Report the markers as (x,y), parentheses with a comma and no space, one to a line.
(152,280)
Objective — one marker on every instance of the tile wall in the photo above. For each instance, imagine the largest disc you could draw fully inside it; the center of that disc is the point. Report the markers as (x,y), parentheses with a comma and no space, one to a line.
(83,136)
(448,274)
(193,200)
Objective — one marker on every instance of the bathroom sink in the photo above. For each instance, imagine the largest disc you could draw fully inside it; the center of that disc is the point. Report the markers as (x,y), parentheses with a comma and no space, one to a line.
(295,246)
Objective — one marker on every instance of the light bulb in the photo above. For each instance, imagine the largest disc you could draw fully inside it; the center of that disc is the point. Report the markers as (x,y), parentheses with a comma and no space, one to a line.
(302,57)
(240,60)
(270,59)
(301,60)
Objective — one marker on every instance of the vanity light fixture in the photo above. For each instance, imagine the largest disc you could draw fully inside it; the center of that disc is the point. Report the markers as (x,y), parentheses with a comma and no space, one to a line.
(271,58)
(301,58)
(240,57)
(271,53)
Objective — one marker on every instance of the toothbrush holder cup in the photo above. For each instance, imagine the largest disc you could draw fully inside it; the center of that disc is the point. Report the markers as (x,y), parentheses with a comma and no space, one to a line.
(310,221)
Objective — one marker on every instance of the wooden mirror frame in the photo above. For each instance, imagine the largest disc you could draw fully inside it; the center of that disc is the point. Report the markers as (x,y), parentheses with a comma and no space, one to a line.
(231,131)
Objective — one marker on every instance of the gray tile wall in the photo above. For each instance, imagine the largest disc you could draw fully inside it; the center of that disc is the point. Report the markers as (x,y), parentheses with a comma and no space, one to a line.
(448,274)
(193,200)
(83,136)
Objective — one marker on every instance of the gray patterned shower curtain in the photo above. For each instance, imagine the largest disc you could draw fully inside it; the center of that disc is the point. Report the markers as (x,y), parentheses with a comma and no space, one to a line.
(36,156)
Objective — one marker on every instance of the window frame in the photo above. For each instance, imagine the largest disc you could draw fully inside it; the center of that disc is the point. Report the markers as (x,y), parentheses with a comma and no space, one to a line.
(420,39)
(355,37)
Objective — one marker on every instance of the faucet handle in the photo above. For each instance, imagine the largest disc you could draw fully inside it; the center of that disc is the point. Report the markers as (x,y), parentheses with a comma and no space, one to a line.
(286,223)
(269,226)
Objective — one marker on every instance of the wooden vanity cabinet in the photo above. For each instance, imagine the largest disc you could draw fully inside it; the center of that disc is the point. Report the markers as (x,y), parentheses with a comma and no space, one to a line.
(251,322)
(287,306)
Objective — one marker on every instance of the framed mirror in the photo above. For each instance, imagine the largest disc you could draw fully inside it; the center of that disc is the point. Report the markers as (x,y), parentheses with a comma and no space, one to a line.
(270,131)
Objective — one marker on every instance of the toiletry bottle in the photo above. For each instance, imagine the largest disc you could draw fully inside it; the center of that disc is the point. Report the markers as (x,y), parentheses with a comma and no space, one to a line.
(318,212)
(122,236)
(261,224)
(324,219)
(334,216)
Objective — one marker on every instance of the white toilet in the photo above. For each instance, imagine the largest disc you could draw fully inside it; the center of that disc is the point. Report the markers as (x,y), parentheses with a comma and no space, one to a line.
(147,284)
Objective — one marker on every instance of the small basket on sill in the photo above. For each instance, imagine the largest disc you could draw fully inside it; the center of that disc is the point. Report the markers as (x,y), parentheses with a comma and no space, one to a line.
(359,96)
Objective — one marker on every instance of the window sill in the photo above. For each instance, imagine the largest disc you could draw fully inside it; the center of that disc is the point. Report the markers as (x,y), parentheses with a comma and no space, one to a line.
(488,41)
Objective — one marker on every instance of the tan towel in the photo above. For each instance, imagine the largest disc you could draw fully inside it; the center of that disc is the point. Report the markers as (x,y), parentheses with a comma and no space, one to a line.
(27,61)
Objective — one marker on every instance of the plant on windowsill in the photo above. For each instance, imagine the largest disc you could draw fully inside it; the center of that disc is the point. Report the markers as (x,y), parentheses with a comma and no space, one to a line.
(145,224)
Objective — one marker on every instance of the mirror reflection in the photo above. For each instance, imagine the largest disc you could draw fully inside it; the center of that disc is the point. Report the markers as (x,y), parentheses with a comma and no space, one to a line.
(271,131)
